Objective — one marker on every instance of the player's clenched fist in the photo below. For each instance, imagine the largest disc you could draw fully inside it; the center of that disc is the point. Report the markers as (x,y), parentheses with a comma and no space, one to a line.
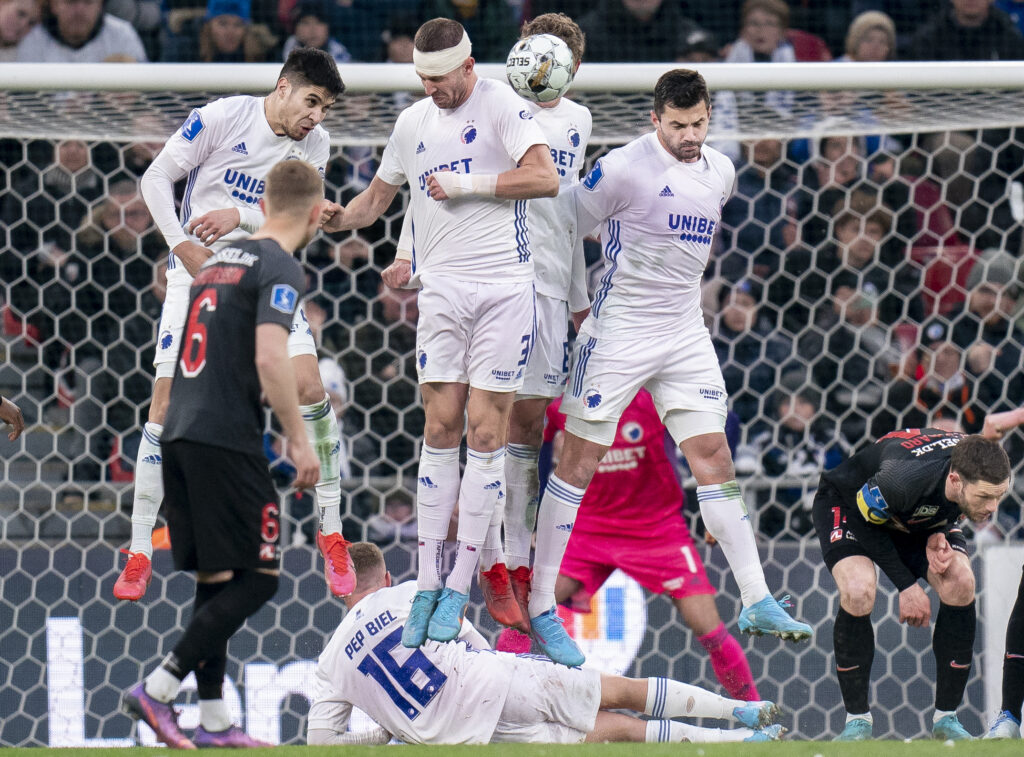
(332,216)
(397,274)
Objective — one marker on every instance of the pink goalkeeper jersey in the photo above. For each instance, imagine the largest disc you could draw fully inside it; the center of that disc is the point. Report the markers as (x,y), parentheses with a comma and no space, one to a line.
(635,489)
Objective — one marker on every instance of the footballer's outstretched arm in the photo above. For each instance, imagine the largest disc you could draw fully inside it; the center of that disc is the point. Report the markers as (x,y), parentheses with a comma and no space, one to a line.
(365,208)
(535,176)
(326,737)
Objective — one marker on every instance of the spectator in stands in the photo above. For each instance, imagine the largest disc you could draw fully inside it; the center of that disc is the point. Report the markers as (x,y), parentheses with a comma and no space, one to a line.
(635,30)
(1015,10)
(225,34)
(398,40)
(855,258)
(698,47)
(986,327)
(967,30)
(871,38)
(313,29)
(78,31)
(17,17)
(395,522)
(753,220)
(491,24)
(851,357)
(752,355)
(762,39)
(801,442)
(906,14)
(837,165)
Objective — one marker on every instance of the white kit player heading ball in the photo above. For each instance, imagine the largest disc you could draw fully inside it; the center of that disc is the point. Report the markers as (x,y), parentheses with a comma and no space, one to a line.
(658,201)
(225,149)
(472,155)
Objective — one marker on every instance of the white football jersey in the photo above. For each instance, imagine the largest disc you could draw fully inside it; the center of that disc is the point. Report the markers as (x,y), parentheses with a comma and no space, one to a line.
(659,216)
(471,238)
(228,147)
(439,693)
(554,239)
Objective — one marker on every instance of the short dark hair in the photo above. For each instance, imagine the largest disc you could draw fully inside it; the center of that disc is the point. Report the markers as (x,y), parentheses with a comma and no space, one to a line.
(310,66)
(438,34)
(681,88)
(562,27)
(976,458)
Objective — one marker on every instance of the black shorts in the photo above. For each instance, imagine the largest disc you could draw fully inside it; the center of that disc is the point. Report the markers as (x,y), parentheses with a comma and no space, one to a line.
(222,510)
(830,513)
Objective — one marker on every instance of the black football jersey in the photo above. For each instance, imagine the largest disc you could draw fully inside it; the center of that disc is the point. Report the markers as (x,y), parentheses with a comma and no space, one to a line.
(215,395)
(899,482)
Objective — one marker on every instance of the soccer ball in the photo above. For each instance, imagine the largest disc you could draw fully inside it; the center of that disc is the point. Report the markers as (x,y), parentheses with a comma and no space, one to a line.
(539,68)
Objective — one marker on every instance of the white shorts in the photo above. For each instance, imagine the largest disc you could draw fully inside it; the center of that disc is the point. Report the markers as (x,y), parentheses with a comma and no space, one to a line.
(549,703)
(476,334)
(681,372)
(549,359)
(175,312)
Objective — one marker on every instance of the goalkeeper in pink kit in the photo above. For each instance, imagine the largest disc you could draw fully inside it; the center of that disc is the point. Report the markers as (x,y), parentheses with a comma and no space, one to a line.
(631,518)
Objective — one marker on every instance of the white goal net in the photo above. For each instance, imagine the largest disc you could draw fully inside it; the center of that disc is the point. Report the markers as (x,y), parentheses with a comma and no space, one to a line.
(867,276)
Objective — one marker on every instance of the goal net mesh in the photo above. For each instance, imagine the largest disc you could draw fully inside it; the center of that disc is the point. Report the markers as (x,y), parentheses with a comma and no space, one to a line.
(824,346)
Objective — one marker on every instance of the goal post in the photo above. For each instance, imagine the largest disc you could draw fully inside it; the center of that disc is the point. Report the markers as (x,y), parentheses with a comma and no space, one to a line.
(79,295)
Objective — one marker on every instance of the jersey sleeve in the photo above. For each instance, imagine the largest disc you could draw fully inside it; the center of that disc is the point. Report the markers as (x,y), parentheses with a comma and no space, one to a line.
(392,168)
(198,137)
(600,195)
(895,488)
(519,132)
(330,711)
(281,284)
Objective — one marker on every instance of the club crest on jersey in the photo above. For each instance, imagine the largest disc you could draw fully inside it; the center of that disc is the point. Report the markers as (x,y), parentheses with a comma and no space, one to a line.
(166,340)
(632,432)
(283,298)
(421,359)
(192,126)
(574,136)
(525,115)
(592,398)
(468,134)
(594,177)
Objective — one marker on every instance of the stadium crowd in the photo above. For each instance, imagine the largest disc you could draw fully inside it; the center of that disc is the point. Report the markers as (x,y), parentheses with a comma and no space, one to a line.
(857,285)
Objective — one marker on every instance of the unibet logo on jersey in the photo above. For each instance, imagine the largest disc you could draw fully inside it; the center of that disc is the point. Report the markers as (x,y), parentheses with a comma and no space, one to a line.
(611,633)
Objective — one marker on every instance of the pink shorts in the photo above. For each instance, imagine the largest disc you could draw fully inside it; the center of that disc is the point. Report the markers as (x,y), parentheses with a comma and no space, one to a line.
(663,563)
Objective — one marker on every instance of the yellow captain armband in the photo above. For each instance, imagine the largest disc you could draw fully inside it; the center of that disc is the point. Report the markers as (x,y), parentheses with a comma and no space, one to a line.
(872,505)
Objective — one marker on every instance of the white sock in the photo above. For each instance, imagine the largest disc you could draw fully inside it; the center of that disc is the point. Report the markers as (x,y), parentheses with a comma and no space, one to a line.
(482,491)
(725,517)
(554,526)
(521,504)
(863,716)
(162,684)
(213,715)
(491,552)
(667,698)
(939,715)
(437,489)
(149,489)
(325,438)
(671,731)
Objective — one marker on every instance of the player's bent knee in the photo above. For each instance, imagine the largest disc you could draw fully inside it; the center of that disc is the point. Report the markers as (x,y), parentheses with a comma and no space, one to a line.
(956,586)
(857,594)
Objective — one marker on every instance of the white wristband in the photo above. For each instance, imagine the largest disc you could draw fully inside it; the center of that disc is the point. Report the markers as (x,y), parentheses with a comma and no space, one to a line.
(401,254)
(464,184)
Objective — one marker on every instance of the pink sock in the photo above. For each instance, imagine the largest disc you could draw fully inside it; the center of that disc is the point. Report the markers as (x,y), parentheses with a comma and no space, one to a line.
(730,664)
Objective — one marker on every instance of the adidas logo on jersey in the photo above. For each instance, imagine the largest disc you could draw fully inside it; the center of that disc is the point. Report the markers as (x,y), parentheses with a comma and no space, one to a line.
(567,527)
(420,148)
(494,485)
(152,459)
(240,149)
(666,192)
(427,483)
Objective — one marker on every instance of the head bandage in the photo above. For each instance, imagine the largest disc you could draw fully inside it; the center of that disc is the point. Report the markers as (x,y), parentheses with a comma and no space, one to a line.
(443,61)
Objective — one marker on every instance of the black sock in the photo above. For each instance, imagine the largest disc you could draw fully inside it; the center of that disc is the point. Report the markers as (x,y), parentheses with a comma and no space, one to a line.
(210,671)
(853,639)
(1013,667)
(216,621)
(953,645)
